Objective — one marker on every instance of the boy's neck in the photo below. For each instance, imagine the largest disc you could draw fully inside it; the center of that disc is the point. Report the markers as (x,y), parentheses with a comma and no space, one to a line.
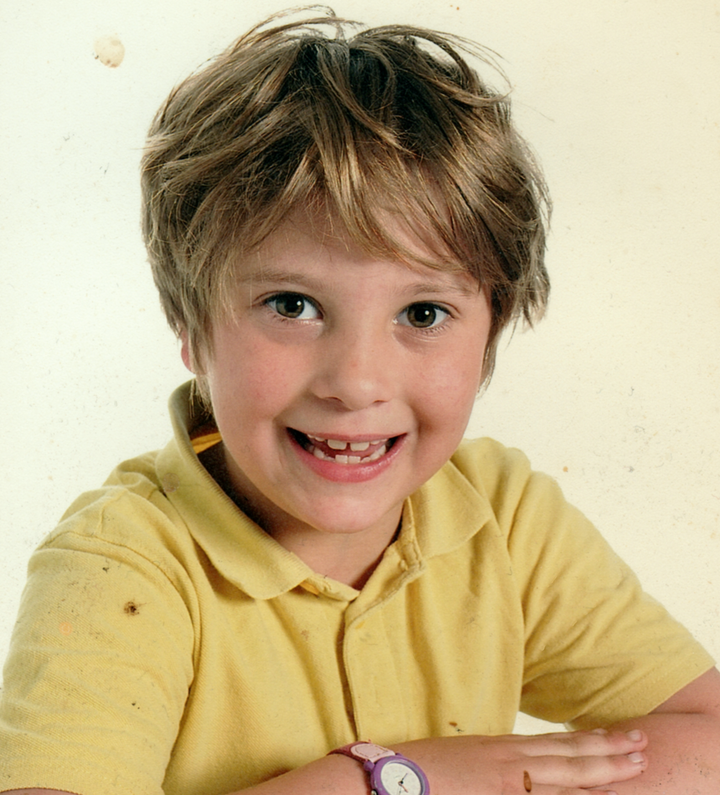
(349,558)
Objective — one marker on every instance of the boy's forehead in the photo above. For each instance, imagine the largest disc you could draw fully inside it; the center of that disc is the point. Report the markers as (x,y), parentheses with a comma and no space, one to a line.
(304,232)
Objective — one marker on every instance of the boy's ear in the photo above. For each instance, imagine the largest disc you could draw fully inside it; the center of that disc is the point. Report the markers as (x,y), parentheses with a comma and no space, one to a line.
(187,354)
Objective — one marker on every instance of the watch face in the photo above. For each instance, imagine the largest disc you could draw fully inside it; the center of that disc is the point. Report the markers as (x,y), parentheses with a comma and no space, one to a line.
(399,778)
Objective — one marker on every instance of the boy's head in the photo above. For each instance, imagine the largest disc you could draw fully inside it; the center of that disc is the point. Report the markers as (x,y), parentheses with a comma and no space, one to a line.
(358,123)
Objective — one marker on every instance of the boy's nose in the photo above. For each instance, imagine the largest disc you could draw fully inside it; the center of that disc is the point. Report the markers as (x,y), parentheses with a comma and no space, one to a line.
(356,369)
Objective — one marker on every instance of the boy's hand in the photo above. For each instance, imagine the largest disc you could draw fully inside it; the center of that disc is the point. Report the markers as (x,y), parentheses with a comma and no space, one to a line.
(546,764)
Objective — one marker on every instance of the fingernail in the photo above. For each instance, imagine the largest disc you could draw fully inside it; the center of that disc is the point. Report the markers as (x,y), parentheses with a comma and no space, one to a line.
(635,735)
(636,757)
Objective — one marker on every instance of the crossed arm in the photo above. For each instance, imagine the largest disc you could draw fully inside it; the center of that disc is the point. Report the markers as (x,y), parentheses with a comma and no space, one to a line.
(684,749)
(675,750)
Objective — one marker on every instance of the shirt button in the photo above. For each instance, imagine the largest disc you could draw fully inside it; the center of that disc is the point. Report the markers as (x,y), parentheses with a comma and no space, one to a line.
(170,483)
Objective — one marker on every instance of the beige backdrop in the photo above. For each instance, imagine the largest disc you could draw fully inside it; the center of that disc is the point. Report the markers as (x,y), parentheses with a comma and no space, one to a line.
(615,394)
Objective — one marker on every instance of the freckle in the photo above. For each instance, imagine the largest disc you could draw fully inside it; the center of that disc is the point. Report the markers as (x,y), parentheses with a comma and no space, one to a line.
(109,50)
(66,628)
(132,609)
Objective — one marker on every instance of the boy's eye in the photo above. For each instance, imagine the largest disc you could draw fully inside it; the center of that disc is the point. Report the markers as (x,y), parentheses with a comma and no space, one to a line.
(294,306)
(422,315)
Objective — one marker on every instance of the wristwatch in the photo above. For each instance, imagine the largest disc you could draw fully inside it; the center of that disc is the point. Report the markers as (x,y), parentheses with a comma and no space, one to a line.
(390,773)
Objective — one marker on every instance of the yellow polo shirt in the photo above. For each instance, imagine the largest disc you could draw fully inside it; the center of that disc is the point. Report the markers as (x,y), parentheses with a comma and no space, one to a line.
(166,644)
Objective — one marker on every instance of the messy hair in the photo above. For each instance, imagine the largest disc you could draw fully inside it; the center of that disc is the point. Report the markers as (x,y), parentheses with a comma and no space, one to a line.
(319,112)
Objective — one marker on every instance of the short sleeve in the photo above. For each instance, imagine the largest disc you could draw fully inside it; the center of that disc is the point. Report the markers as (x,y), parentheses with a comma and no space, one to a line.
(98,672)
(598,649)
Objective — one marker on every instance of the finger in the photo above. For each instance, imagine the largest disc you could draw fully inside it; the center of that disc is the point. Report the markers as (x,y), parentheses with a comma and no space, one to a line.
(514,787)
(543,789)
(579,744)
(583,771)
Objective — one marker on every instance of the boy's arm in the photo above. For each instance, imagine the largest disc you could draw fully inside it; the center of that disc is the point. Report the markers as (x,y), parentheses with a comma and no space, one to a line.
(681,758)
(558,764)
(684,742)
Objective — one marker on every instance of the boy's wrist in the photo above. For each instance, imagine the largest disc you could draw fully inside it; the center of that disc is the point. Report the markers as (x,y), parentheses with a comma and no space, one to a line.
(387,771)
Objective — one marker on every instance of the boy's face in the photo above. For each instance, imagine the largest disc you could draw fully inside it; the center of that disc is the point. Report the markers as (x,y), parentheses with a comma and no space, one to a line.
(342,383)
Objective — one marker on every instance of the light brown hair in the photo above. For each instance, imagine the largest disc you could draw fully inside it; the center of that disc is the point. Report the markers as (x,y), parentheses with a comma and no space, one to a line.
(320,112)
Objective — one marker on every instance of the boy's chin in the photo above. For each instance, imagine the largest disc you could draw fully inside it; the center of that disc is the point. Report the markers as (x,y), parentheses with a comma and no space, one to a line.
(348,519)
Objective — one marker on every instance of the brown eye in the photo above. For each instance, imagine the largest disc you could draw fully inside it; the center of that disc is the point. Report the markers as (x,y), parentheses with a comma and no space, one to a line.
(293,306)
(422,315)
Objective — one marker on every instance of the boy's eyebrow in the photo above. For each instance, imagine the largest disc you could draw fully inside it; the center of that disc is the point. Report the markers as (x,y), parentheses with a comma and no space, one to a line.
(467,290)
(266,275)
(263,275)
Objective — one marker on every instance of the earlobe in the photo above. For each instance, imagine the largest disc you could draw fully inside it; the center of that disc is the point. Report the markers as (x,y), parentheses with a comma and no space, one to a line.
(186,352)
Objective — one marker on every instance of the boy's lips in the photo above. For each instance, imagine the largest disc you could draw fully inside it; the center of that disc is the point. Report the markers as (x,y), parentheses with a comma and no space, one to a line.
(324,457)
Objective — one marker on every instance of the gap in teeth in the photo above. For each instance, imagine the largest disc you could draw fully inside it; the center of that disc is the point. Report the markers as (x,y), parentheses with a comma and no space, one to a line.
(350,459)
(356,447)
(338,444)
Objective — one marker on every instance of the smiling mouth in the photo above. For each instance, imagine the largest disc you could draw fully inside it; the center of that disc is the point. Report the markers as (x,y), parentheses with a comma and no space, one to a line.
(343,452)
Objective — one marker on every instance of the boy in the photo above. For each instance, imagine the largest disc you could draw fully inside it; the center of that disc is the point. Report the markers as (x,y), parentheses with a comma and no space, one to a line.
(339,231)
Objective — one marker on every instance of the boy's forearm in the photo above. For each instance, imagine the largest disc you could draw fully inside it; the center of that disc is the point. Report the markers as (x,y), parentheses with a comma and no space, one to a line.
(330,775)
(477,765)
(683,755)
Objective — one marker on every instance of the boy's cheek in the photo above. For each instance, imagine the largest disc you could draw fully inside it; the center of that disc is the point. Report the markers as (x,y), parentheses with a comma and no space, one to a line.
(455,380)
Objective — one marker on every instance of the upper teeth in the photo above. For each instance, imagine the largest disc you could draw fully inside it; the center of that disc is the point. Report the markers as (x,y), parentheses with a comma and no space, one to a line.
(338,444)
